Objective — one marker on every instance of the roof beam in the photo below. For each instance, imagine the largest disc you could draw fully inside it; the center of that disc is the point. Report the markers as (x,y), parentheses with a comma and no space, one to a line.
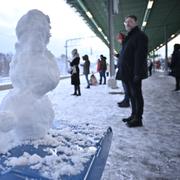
(147,13)
(90,17)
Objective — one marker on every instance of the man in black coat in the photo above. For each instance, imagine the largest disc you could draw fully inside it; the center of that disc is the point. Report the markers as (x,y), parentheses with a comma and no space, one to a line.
(175,65)
(134,69)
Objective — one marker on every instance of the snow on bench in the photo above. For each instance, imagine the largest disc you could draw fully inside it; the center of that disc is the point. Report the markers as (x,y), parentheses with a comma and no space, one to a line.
(67,152)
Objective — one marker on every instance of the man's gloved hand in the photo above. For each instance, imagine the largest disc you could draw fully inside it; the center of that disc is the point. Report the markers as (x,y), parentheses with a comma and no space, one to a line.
(136,79)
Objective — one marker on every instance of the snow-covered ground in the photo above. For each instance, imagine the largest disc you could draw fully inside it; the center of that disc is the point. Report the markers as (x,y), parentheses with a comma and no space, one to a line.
(150,152)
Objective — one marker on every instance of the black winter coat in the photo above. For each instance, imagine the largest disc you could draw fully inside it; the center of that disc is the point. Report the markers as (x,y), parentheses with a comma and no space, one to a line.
(103,66)
(75,80)
(132,62)
(175,64)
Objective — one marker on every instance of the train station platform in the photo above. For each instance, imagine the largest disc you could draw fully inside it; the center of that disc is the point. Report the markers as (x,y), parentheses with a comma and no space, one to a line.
(148,152)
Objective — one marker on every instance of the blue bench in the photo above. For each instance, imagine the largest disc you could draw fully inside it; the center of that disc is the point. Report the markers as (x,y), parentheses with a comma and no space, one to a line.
(93,169)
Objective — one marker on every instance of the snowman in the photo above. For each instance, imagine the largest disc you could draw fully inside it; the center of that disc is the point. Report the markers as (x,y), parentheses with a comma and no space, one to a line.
(27,110)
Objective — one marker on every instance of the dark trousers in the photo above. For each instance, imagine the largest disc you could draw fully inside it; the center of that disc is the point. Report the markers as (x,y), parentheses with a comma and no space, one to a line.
(177,83)
(136,98)
(87,79)
(126,97)
(102,75)
(150,71)
(77,89)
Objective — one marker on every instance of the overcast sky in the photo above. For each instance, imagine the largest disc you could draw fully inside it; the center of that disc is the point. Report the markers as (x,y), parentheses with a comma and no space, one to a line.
(65,23)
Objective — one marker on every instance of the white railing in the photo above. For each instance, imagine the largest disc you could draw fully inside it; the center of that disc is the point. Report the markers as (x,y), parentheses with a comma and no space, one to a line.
(5,82)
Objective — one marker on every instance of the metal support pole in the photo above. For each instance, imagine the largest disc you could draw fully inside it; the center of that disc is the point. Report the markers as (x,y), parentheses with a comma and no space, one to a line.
(111,35)
(166,48)
(111,81)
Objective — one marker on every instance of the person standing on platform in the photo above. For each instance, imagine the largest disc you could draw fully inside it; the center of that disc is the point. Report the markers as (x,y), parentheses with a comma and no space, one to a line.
(102,69)
(134,68)
(125,102)
(86,69)
(98,67)
(150,66)
(75,73)
(175,66)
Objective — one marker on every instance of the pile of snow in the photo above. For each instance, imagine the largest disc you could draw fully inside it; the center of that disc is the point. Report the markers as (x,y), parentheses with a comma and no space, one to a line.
(68,150)
(26,112)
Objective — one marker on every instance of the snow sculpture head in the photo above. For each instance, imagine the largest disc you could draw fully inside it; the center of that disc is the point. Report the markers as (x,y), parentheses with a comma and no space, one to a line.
(34,65)
(34,29)
(33,72)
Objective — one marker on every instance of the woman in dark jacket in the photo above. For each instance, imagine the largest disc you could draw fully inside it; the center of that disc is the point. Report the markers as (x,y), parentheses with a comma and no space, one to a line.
(102,69)
(86,67)
(175,65)
(75,79)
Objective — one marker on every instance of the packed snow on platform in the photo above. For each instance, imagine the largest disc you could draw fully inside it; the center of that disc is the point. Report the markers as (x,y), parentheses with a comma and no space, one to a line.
(150,152)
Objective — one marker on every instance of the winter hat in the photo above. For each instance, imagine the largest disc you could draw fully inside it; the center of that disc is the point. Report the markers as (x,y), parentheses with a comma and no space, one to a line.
(176,47)
(85,57)
(102,57)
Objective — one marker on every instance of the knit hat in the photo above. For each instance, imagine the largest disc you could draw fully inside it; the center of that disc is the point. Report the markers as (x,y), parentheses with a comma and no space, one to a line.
(102,57)
(85,57)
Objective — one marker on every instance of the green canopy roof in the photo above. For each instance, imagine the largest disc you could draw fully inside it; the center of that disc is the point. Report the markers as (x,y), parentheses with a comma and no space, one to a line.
(164,16)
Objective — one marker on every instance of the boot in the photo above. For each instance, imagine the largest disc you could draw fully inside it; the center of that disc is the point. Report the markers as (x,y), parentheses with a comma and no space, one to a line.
(124,104)
(75,91)
(135,122)
(127,119)
(79,91)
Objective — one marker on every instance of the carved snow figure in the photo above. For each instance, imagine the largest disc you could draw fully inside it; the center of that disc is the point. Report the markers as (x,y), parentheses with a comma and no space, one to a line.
(26,110)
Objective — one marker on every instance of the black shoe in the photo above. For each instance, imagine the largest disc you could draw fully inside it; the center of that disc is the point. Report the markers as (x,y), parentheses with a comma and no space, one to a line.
(120,102)
(74,94)
(124,104)
(87,87)
(78,94)
(135,122)
(177,89)
(127,119)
